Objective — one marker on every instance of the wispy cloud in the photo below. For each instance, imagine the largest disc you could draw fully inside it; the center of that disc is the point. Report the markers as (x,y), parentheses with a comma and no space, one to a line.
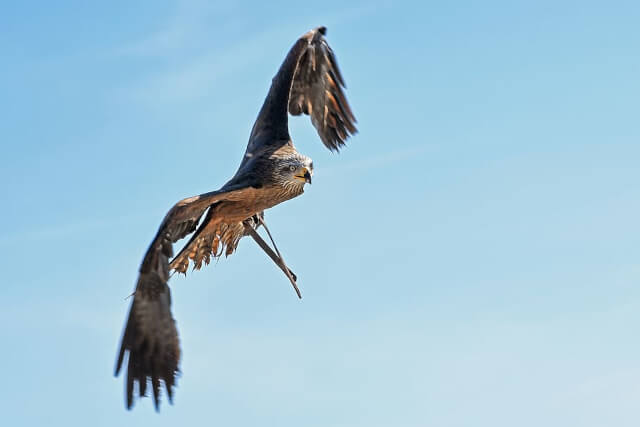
(192,64)
(66,230)
(52,232)
(196,76)
(183,28)
(378,160)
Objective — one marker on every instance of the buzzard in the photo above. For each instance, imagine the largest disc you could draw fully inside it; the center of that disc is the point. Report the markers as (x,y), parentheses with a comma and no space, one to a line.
(271,172)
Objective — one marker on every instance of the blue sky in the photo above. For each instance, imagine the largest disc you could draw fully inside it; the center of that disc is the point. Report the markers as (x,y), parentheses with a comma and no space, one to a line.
(470,259)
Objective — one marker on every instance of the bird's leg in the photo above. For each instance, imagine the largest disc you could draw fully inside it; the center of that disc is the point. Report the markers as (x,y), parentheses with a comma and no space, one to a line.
(264,224)
(276,257)
(290,274)
(264,245)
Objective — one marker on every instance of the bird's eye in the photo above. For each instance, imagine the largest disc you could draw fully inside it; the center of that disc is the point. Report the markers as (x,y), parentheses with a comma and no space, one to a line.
(292,168)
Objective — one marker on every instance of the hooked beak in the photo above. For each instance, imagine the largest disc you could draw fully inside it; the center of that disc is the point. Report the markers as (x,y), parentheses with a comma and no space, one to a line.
(305,175)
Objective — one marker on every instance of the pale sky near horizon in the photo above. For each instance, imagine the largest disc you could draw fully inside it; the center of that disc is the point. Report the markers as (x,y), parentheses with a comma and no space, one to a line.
(471,258)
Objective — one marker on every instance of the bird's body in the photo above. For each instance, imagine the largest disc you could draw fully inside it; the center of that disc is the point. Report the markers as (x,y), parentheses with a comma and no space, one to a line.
(224,219)
(272,171)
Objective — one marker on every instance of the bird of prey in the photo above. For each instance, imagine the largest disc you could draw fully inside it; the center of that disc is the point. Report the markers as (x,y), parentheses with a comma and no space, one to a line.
(271,172)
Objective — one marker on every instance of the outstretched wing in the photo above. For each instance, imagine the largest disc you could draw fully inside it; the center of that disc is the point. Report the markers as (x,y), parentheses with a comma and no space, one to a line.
(308,82)
(150,335)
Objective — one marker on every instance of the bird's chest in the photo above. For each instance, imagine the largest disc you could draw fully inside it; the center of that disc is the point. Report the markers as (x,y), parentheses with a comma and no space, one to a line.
(256,201)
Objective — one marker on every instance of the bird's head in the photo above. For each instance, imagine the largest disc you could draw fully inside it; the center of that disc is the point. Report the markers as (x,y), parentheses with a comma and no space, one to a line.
(295,170)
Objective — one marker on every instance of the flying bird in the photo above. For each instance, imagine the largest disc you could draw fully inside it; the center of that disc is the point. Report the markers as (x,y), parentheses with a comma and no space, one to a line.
(271,172)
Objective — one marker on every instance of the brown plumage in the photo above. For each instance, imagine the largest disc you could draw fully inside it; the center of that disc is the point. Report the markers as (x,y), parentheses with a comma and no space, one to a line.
(271,172)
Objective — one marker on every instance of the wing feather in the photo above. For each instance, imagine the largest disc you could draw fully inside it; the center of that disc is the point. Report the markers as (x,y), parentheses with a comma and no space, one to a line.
(150,337)
(317,90)
(212,239)
(308,82)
